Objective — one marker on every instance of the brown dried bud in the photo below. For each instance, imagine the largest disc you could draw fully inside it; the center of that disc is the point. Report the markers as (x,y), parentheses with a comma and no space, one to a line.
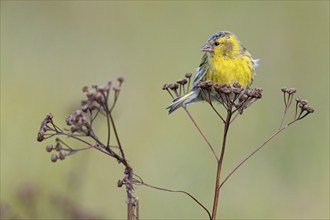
(58,146)
(41,136)
(303,102)
(188,75)
(308,109)
(77,113)
(243,97)
(173,86)
(120,183)
(250,93)
(49,148)
(49,117)
(237,88)
(165,86)
(291,90)
(85,89)
(208,83)
(257,93)
(201,85)
(225,88)
(182,81)
(205,84)
(99,97)
(61,155)
(54,158)
(90,95)
(69,120)
(121,79)
(217,87)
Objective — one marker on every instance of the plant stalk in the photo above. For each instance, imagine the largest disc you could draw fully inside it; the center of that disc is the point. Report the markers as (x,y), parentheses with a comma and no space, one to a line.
(219,167)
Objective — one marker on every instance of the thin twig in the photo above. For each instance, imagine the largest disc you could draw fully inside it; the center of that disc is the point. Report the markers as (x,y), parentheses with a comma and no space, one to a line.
(118,141)
(256,150)
(108,125)
(178,191)
(223,120)
(201,133)
(220,162)
(285,109)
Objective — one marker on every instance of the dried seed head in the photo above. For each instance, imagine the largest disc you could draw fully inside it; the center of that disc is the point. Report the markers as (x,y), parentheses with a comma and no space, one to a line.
(41,135)
(225,88)
(85,89)
(120,183)
(188,75)
(201,85)
(205,84)
(173,86)
(77,113)
(54,158)
(243,97)
(182,81)
(121,79)
(303,102)
(289,90)
(69,120)
(61,155)
(99,97)
(209,83)
(217,87)
(308,109)
(58,146)
(49,148)
(237,88)
(165,86)
(49,117)
(292,90)
(257,93)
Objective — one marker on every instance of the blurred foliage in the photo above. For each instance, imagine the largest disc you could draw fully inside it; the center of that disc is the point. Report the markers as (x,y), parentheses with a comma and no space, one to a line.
(51,49)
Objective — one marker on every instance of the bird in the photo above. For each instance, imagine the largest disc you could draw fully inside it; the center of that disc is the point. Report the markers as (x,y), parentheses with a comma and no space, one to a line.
(225,61)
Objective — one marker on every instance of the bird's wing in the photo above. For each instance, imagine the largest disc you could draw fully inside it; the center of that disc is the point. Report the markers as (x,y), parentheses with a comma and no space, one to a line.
(201,70)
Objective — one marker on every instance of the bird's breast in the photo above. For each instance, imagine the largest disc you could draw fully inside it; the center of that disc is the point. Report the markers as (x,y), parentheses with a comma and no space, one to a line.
(229,70)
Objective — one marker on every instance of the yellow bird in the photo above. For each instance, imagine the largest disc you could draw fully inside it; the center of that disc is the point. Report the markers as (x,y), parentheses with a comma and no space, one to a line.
(225,61)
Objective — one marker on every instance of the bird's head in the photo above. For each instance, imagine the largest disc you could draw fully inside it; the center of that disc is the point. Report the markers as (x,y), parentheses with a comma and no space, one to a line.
(224,43)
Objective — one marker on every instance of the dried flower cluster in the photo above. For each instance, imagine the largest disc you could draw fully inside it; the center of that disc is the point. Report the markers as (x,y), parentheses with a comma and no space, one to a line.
(302,108)
(81,123)
(99,101)
(233,98)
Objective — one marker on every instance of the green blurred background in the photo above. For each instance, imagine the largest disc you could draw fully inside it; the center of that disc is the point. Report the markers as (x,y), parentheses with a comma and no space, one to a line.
(51,49)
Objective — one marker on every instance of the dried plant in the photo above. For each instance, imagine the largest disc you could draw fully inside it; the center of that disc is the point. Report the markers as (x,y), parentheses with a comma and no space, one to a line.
(100,101)
(235,100)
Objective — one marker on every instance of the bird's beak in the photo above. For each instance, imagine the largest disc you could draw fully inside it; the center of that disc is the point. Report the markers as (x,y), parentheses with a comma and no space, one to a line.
(207,48)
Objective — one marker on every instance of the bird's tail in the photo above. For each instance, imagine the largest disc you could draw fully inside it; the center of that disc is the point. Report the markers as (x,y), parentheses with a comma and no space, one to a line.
(183,100)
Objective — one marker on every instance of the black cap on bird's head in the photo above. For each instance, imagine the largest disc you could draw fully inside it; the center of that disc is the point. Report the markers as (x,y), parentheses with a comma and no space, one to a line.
(218,35)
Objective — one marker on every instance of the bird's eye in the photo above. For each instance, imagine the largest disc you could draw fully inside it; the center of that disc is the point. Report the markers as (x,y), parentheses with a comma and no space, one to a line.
(216,43)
